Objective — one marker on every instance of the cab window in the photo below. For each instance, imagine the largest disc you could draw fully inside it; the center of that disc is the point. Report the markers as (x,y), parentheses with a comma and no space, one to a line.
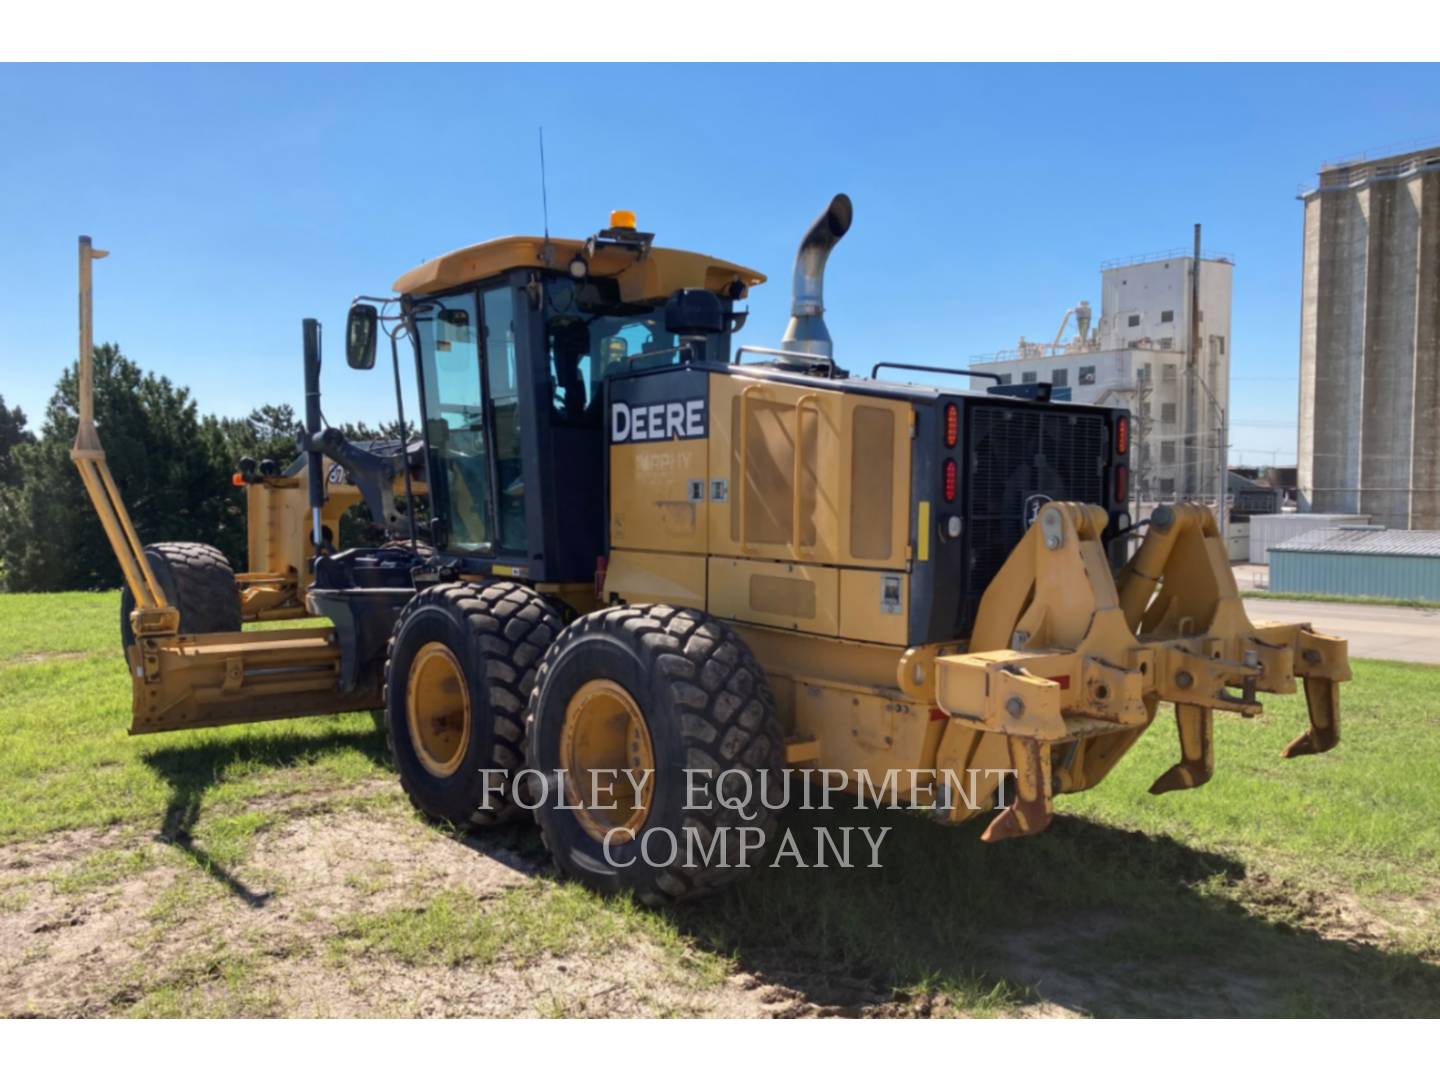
(454,408)
(590,333)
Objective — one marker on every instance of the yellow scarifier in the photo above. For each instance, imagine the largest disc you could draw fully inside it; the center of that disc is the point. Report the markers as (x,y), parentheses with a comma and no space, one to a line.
(1068,659)
(619,557)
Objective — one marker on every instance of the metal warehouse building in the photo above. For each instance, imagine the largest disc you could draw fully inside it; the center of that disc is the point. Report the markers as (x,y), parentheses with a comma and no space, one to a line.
(1270,530)
(1359,561)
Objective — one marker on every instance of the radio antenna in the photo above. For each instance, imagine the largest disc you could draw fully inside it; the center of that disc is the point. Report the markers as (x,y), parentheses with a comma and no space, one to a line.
(544,198)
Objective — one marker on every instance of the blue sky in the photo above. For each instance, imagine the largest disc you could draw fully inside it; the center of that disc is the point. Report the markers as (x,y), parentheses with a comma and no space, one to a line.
(237,200)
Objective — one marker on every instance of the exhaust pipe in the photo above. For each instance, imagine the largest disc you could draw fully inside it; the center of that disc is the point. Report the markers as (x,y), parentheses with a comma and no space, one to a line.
(806,332)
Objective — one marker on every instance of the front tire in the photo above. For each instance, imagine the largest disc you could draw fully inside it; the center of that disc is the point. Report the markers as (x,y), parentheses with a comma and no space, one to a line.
(461,663)
(676,690)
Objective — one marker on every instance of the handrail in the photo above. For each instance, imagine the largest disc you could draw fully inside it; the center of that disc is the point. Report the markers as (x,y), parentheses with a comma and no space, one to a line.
(1167,253)
(745,457)
(936,370)
(799,461)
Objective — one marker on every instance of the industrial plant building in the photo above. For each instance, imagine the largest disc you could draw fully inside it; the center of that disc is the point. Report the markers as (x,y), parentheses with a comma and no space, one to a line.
(1137,356)
(1369,437)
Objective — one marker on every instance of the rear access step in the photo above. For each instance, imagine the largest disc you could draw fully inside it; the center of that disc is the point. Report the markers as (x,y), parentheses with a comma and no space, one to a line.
(1069,664)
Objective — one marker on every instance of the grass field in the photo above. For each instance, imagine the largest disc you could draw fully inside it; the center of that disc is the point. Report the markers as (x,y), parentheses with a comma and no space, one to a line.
(277,870)
(1330,598)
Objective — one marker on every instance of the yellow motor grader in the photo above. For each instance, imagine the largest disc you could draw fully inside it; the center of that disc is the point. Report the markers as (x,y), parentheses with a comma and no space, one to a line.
(620,550)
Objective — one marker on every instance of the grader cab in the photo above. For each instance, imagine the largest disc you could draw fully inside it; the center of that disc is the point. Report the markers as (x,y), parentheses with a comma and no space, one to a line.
(627,564)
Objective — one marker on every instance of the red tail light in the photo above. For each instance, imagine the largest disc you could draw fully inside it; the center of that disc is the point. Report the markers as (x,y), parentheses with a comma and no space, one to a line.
(1122,483)
(1122,435)
(951,479)
(952,425)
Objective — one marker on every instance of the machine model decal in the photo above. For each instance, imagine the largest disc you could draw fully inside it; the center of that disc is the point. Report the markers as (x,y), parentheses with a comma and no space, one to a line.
(658,422)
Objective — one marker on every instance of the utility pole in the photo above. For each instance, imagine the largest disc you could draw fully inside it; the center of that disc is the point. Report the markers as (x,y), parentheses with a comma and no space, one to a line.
(1200,461)
(1192,373)
(1221,514)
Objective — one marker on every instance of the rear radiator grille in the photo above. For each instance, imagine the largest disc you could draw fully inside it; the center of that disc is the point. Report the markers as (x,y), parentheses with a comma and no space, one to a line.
(1016,457)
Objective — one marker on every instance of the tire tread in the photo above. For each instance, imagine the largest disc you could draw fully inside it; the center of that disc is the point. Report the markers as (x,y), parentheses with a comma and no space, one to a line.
(203,583)
(508,678)
(726,714)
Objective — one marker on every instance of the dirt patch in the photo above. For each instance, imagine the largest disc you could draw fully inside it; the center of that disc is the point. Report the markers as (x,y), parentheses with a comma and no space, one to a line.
(60,951)
(30,857)
(43,657)
(636,982)
(104,922)
(1333,915)
(329,865)
(260,938)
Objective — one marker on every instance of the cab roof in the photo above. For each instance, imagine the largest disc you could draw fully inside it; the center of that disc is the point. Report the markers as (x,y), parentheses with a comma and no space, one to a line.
(651,276)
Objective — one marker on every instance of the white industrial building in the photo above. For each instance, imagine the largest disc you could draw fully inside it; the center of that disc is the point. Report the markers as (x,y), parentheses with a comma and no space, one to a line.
(1137,357)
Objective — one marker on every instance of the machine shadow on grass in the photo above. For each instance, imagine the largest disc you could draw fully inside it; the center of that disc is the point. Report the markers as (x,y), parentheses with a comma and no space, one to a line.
(191,772)
(1099,920)
(1096,919)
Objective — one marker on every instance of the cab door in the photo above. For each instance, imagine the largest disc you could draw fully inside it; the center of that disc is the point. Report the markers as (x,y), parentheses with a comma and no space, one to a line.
(456,422)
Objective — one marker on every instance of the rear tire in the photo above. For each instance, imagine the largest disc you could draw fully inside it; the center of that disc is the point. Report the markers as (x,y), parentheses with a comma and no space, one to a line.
(703,704)
(197,582)
(460,666)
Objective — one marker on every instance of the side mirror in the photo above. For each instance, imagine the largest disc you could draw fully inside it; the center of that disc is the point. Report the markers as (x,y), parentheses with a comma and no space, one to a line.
(361,330)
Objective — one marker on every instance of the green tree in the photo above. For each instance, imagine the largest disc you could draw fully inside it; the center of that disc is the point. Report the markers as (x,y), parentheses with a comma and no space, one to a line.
(171,468)
(13,433)
(388,429)
(268,432)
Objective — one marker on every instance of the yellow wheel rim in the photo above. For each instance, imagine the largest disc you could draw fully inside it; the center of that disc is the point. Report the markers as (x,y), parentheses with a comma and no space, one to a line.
(604,736)
(437,709)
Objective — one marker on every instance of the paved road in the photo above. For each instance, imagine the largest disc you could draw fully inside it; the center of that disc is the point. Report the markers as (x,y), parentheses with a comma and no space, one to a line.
(1379,633)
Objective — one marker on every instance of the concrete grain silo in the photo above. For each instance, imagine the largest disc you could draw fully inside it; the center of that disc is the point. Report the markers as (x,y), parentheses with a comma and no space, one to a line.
(1369,439)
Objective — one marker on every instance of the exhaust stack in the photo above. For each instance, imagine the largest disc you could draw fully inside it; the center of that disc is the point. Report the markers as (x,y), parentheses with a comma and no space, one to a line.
(806,332)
